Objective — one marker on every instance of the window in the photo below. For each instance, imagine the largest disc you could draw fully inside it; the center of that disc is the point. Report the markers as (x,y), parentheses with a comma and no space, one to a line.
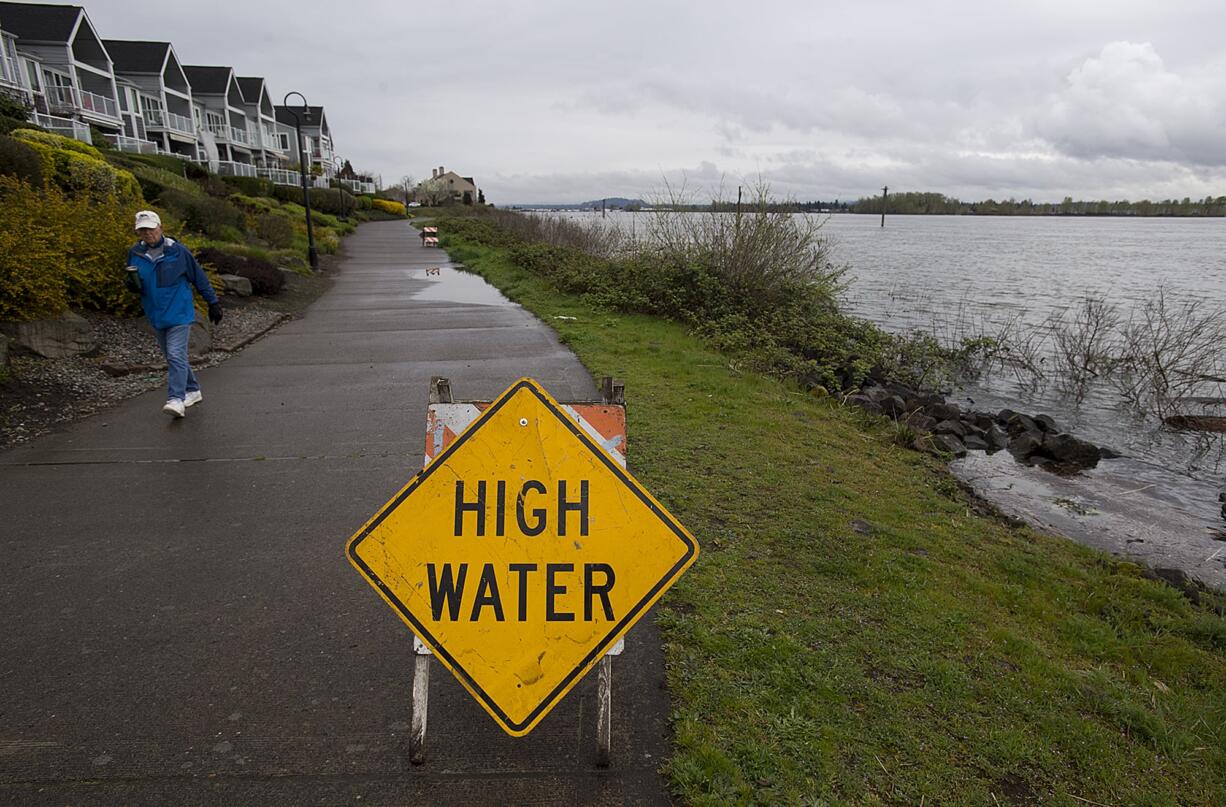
(32,75)
(283,139)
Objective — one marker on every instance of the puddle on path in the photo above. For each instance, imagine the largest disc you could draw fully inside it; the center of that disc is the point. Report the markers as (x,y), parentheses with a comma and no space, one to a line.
(1126,507)
(451,285)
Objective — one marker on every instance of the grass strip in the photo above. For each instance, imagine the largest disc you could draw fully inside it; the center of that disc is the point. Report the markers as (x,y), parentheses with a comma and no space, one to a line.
(858,630)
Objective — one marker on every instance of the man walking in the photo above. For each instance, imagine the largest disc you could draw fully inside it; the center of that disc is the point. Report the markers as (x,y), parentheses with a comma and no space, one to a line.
(164,271)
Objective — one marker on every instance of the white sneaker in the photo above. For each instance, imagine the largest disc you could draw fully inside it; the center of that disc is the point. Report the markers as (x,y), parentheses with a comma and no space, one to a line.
(193,397)
(174,408)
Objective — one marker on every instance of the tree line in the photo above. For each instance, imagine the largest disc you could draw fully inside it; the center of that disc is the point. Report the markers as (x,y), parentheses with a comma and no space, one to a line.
(937,204)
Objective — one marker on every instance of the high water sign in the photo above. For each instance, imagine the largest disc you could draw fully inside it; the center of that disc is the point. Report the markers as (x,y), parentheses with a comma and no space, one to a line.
(521,554)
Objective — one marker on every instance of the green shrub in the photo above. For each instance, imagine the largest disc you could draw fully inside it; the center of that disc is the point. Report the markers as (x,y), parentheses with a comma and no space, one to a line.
(250,186)
(365,202)
(59,251)
(154,180)
(19,160)
(206,215)
(275,229)
(326,200)
(265,277)
(14,114)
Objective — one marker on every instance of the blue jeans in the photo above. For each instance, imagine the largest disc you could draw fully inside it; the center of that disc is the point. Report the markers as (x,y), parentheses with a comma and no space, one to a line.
(173,342)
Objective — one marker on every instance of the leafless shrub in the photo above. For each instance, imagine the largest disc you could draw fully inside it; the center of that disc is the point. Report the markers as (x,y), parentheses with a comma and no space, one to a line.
(590,237)
(1170,351)
(1085,344)
(759,244)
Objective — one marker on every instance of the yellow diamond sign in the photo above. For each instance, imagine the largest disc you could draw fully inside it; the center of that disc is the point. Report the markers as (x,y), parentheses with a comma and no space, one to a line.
(522,554)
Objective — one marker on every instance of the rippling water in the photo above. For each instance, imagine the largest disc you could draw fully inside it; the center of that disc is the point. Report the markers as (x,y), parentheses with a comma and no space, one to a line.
(959,275)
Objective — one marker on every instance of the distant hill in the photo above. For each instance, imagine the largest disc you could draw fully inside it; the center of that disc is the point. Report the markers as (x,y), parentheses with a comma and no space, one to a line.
(610,203)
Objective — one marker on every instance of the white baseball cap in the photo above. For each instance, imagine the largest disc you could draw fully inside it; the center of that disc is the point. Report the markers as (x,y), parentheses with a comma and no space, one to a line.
(147,220)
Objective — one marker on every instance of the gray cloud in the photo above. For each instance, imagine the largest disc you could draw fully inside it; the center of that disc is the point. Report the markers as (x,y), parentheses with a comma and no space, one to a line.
(556,101)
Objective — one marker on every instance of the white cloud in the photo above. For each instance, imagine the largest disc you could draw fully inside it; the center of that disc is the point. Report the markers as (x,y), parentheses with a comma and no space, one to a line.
(1125,103)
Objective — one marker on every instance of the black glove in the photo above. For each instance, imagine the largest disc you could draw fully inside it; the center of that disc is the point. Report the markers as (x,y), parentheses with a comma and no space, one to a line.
(131,279)
(214,313)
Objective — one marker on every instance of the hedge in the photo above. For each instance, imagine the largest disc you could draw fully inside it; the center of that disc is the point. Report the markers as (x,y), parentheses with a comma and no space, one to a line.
(388,206)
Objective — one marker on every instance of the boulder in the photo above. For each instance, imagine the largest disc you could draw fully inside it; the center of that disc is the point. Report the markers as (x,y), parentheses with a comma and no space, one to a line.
(236,285)
(974,442)
(202,337)
(864,402)
(875,394)
(949,444)
(66,335)
(983,420)
(953,427)
(1066,449)
(894,406)
(919,422)
(1108,453)
(1047,423)
(1026,445)
(1003,415)
(1020,424)
(943,411)
(996,438)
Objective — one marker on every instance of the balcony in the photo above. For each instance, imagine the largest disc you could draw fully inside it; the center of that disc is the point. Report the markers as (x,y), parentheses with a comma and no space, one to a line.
(64,126)
(70,100)
(357,186)
(280,176)
(133,145)
(157,119)
(233,169)
(229,134)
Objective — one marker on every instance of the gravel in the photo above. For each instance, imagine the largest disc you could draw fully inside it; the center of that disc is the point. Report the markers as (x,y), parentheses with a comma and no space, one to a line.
(41,393)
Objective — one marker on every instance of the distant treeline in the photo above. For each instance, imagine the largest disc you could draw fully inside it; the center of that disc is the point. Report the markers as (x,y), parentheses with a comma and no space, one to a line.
(936,204)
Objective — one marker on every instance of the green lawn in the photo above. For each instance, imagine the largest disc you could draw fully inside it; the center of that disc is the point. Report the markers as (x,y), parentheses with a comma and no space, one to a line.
(856,632)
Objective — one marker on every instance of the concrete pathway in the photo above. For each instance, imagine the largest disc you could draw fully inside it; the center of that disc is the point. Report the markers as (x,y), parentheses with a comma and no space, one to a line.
(180,625)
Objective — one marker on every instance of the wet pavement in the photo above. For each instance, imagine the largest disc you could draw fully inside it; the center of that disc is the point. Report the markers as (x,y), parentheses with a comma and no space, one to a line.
(181,625)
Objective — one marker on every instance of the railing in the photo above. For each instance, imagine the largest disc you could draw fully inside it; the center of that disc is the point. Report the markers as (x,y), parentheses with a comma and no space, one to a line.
(357,185)
(319,182)
(133,144)
(64,126)
(232,169)
(281,176)
(229,134)
(70,99)
(159,119)
(270,139)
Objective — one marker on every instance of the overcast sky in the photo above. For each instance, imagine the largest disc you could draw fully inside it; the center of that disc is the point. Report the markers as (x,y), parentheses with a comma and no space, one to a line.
(570,101)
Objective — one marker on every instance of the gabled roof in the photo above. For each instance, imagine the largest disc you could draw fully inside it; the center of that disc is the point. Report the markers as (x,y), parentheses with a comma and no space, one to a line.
(134,56)
(251,86)
(39,23)
(208,79)
(314,117)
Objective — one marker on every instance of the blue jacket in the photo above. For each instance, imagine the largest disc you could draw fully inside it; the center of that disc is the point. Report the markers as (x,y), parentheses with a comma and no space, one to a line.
(166,283)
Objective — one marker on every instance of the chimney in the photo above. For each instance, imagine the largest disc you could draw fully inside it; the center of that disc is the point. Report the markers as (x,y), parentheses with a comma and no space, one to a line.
(434,173)
(441,171)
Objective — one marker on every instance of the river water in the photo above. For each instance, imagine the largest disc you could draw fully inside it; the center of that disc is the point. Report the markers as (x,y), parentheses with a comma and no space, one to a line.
(956,276)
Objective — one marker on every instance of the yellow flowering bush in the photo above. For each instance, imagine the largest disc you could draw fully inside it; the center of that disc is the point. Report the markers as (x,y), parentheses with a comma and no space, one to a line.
(57,252)
(388,206)
(78,168)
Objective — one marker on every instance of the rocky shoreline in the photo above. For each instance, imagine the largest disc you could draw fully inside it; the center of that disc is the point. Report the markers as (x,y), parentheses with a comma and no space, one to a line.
(945,429)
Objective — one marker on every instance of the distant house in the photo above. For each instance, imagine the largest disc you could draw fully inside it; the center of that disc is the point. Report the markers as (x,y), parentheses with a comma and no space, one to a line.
(316,133)
(269,149)
(459,189)
(155,96)
(68,73)
(219,105)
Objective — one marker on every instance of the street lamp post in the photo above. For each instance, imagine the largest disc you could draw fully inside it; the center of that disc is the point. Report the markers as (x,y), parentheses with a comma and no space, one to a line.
(312,252)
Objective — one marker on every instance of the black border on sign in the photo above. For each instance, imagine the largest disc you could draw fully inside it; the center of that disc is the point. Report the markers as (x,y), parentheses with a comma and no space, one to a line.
(598,650)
